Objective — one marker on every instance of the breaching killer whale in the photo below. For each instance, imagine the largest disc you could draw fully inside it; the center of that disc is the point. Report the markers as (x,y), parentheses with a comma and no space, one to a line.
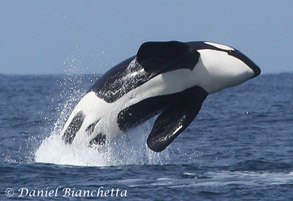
(171,79)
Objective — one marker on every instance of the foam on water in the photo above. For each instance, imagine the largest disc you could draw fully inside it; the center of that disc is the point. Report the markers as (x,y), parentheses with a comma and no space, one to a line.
(128,149)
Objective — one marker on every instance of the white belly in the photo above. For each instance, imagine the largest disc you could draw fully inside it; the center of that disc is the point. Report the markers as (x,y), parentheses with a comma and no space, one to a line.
(95,108)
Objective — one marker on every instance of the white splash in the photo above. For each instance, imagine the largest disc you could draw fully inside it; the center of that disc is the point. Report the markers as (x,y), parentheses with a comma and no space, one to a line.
(129,149)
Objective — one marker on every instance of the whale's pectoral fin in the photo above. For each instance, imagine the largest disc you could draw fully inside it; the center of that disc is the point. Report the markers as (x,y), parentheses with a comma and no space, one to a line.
(176,118)
(159,57)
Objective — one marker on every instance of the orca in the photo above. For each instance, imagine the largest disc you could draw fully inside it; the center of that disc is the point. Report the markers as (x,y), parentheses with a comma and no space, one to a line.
(169,79)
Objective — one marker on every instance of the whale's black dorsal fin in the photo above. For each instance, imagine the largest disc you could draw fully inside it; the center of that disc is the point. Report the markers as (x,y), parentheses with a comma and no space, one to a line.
(176,119)
(159,57)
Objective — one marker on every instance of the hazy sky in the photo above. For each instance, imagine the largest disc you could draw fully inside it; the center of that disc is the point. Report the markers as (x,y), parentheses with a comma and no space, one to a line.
(50,37)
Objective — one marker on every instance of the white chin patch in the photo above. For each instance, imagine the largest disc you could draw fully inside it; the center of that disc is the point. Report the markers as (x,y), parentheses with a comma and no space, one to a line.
(220,46)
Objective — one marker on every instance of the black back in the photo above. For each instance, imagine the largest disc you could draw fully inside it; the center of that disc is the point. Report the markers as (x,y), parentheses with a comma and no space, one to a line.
(120,80)
(152,58)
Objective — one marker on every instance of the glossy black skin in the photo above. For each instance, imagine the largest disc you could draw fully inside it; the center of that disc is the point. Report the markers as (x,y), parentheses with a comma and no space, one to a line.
(177,110)
(112,86)
(149,63)
(199,45)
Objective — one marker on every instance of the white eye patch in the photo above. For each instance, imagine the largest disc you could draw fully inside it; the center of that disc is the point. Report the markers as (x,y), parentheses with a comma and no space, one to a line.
(220,46)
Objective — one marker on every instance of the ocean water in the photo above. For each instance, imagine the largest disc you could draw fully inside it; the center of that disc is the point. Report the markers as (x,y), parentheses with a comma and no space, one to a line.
(240,147)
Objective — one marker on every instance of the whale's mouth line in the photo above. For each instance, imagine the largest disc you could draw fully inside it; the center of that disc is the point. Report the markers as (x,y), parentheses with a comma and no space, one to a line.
(199,45)
(256,71)
(246,60)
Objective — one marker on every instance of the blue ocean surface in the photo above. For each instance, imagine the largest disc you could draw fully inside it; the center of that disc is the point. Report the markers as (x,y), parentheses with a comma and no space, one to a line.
(240,146)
